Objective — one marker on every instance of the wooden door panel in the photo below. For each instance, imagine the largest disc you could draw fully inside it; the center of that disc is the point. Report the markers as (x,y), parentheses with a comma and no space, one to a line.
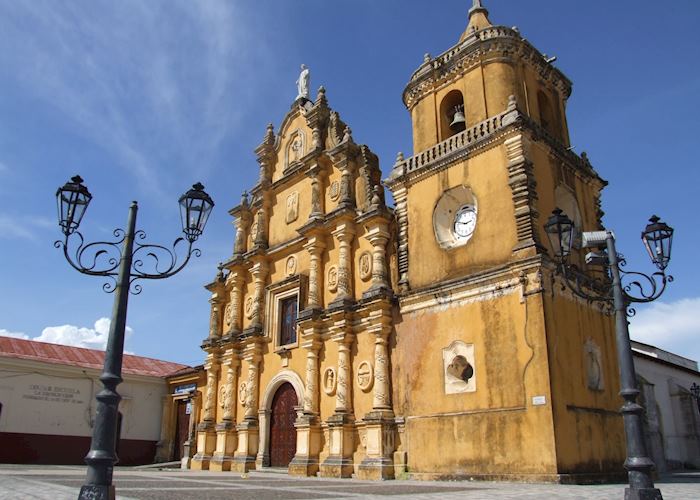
(283,435)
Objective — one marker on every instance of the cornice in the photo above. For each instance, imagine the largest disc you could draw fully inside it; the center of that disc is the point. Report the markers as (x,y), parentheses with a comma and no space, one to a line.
(480,47)
(477,138)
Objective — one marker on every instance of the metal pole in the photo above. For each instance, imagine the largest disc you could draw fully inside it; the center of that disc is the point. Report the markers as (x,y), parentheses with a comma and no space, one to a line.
(638,464)
(102,456)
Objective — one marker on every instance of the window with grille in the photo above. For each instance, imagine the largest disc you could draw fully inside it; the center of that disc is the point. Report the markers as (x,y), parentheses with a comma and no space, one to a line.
(288,320)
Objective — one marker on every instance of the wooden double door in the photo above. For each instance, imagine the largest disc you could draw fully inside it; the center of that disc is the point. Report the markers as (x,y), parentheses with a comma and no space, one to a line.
(283,435)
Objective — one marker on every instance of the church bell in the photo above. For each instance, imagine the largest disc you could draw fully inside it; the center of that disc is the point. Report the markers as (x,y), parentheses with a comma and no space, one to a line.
(458,122)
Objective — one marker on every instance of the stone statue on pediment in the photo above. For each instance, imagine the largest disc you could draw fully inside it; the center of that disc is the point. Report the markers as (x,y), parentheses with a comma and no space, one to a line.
(303,83)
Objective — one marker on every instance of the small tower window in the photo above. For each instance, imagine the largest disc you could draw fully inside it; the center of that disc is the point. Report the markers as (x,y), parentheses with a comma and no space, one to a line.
(452,117)
(547,119)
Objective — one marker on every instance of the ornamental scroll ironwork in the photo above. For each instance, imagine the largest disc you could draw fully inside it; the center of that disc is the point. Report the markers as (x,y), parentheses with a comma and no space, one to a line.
(149,261)
(637,287)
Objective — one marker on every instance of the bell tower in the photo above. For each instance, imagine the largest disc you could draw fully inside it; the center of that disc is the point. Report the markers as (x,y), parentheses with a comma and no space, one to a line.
(513,370)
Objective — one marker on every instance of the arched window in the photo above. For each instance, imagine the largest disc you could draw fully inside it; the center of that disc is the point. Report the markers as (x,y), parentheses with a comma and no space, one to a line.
(452,117)
(547,117)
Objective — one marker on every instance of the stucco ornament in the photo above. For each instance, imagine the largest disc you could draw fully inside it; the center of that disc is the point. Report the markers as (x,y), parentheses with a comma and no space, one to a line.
(594,366)
(249,307)
(303,83)
(242,393)
(292,207)
(334,191)
(291,265)
(222,396)
(333,278)
(330,380)
(228,315)
(365,266)
(365,376)
(458,368)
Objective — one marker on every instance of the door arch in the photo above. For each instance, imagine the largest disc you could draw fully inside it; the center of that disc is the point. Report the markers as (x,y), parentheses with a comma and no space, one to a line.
(283,435)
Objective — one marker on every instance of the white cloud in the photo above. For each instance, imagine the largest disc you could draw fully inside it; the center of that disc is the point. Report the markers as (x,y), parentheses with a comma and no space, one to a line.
(90,338)
(151,82)
(23,226)
(673,326)
(14,335)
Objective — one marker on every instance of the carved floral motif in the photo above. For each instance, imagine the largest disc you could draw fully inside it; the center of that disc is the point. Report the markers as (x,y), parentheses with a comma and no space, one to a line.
(365,266)
(291,265)
(333,278)
(365,376)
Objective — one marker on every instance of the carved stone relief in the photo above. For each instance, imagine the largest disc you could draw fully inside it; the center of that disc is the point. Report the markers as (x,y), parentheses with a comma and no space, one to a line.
(222,396)
(334,191)
(249,307)
(365,266)
(333,279)
(292,213)
(254,231)
(330,381)
(242,393)
(458,368)
(295,150)
(228,315)
(291,265)
(365,376)
(594,366)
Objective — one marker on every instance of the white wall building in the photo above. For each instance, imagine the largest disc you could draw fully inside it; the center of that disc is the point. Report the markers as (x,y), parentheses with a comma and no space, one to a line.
(47,403)
(672,416)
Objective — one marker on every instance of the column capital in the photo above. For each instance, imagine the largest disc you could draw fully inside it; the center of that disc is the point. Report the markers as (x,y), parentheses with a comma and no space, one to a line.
(344,231)
(315,245)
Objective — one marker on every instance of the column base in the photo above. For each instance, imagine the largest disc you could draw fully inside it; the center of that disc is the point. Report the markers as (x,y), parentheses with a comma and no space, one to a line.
(206,444)
(643,494)
(339,463)
(337,467)
(378,462)
(305,462)
(225,447)
(244,458)
(375,469)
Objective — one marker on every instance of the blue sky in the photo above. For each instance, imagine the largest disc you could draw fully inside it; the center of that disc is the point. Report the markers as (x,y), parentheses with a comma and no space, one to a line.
(145,98)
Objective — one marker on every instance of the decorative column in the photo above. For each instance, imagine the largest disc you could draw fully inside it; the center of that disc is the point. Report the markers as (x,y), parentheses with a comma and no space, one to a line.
(522,183)
(380,426)
(378,236)
(206,434)
(215,317)
(344,233)
(242,226)
(315,247)
(317,199)
(401,211)
(233,316)
(225,430)
(259,272)
(339,462)
(308,426)
(248,429)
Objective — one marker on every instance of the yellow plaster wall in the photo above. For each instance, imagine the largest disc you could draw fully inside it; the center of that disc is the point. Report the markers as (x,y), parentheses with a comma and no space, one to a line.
(494,237)
(590,435)
(492,430)
(279,230)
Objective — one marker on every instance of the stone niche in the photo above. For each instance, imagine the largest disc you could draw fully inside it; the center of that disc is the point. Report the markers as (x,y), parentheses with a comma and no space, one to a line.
(455,217)
(459,368)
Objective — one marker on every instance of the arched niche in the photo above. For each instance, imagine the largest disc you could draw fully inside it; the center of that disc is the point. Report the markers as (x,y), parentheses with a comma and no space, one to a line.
(451,103)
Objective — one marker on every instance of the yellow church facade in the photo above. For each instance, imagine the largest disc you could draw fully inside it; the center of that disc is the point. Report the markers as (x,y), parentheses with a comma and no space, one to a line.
(433,338)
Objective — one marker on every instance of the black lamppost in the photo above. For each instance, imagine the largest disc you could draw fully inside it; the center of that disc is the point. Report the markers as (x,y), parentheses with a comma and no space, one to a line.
(657,238)
(695,392)
(124,266)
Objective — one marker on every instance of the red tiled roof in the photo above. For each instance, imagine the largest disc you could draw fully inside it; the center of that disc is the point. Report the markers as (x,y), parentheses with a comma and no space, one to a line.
(86,358)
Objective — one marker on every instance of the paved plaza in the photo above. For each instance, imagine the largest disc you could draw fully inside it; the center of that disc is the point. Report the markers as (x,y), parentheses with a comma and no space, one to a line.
(63,482)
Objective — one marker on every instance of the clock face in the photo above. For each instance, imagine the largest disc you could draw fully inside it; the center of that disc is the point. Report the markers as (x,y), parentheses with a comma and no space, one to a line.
(465,222)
